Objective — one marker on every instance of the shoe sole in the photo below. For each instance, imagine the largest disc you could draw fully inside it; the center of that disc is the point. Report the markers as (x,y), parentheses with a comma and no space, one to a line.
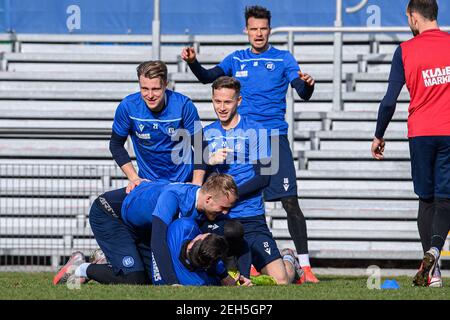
(436,284)
(62,275)
(422,276)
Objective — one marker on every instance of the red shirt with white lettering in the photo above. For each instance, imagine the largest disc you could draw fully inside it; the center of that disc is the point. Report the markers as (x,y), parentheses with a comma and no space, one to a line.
(426,61)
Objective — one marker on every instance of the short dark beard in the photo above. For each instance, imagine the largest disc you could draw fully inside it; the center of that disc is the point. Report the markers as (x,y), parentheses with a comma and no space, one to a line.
(414,32)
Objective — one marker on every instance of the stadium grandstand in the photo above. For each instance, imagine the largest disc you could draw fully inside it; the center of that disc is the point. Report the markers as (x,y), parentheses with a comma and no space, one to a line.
(66,64)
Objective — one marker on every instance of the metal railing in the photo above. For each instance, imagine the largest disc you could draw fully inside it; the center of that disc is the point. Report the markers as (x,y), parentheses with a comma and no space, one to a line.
(44,212)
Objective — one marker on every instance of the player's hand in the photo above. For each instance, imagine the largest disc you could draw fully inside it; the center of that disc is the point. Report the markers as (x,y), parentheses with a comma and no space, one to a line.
(378,148)
(133,184)
(245,282)
(307,78)
(219,156)
(188,54)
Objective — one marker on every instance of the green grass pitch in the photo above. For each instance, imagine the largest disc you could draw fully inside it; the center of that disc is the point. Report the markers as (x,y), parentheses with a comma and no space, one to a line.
(39,286)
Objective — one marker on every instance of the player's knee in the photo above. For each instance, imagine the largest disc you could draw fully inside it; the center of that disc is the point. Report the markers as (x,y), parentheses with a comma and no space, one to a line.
(281,279)
(137,278)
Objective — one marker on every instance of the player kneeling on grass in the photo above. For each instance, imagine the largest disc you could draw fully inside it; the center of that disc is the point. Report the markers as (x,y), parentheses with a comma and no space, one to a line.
(124,226)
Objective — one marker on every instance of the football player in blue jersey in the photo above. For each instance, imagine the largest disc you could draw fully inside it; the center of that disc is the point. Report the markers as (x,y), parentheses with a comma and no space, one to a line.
(131,229)
(198,257)
(265,74)
(154,118)
(240,147)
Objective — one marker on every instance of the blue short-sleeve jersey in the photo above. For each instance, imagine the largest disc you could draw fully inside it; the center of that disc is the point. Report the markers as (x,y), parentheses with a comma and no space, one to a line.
(155,135)
(139,204)
(178,200)
(180,231)
(250,142)
(264,78)
(166,201)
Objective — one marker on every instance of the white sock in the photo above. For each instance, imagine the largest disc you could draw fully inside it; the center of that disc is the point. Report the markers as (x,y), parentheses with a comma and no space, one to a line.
(435,252)
(304,260)
(81,270)
(437,271)
(289,258)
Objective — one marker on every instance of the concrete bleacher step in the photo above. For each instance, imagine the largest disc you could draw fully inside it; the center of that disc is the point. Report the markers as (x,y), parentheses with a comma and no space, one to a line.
(68,110)
(70,170)
(14,206)
(70,85)
(361,249)
(354,174)
(54,148)
(356,185)
(200,94)
(351,155)
(359,165)
(129,76)
(352,234)
(81,187)
(356,194)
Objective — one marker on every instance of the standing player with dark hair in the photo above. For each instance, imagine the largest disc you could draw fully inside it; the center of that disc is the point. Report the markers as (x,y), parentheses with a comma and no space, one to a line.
(423,63)
(153,117)
(265,74)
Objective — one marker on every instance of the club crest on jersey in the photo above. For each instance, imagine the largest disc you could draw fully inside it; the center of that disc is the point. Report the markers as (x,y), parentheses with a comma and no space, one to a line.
(171,131)
(128,262)
(270,66)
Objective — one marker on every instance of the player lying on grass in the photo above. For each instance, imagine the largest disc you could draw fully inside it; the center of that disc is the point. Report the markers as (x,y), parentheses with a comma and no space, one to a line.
(124,227)
(240,147)
(197,257)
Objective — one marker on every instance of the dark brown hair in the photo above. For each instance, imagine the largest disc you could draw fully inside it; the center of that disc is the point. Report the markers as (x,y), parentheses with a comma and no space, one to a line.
(227,82)
(153,69)
(426,8)
(257,12)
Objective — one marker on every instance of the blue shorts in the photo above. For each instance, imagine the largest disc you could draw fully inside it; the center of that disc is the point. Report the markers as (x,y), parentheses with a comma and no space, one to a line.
(283,183)
(263,247)
(430,166)
(126,250)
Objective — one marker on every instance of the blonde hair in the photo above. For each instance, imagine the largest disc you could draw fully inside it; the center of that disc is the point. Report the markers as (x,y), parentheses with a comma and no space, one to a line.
(221,183)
